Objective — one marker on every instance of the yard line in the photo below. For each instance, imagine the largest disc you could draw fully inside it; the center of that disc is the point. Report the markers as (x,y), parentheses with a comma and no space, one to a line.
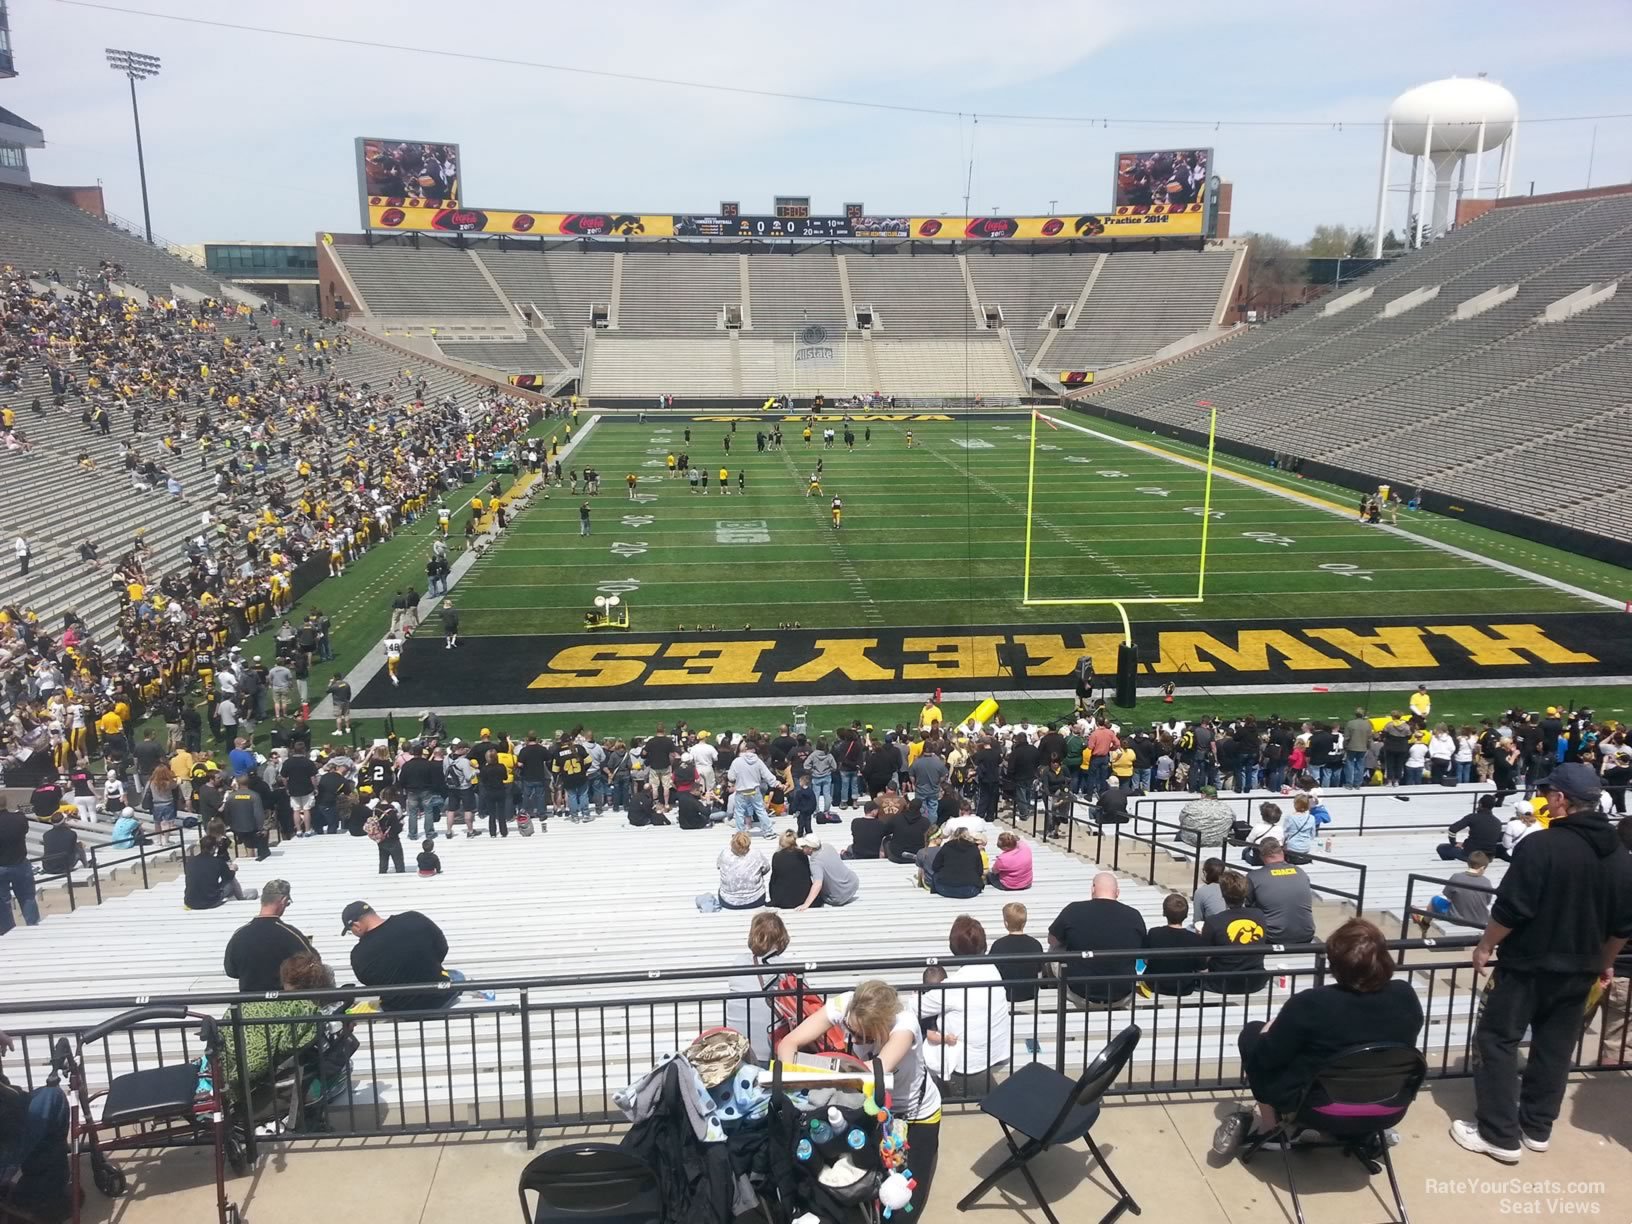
(1332,507)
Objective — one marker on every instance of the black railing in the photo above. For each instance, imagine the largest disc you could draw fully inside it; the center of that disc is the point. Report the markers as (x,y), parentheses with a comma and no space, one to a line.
(524,1055)
(105,858)
(1339,802)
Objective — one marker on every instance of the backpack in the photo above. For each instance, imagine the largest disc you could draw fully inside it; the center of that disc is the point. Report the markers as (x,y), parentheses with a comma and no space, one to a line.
(790,1010)
(373,829)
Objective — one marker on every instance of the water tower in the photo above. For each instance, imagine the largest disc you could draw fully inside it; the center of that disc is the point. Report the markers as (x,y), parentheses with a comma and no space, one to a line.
(1440,126)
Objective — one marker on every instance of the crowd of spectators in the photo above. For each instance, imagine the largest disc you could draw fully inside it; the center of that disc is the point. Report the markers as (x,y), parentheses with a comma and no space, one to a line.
(301,458)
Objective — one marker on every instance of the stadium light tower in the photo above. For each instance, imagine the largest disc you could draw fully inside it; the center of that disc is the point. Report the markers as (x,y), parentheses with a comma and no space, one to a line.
(138,67)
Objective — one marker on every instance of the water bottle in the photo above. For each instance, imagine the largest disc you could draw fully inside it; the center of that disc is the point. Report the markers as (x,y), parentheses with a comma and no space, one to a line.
(1329,840)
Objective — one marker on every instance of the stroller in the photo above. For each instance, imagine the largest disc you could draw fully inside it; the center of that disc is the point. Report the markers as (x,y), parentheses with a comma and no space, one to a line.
(167,1106)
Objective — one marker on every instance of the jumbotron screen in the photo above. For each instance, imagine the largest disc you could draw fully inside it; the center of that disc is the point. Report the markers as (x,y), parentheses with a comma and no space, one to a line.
(1175,177)
(410,170)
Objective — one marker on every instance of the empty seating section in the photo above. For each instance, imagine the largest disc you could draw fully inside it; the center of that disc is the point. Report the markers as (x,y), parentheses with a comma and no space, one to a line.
(634,367)
(912,295)
(948,369)
(432,282)
(1142,301)
(1027,287)
(666,292)
(1426,399)
(528,356)
(562,285)
(38,232)
(788,291)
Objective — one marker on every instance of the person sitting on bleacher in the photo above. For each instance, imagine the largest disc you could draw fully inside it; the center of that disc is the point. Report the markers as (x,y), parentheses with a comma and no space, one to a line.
(1101,924)
(1281,890)
(402,950)
(1204,821)
(1484,830)
(867,833)
(1160,973)
(1237,925)
(210,877)
(1268,824)
(61,849)
(1366,1004)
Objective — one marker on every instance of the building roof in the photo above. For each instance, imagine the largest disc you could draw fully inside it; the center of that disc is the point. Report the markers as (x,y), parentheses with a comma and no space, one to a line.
(12,119)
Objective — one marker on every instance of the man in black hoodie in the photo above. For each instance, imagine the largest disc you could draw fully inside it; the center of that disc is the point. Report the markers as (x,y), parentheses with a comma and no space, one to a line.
(1562,914)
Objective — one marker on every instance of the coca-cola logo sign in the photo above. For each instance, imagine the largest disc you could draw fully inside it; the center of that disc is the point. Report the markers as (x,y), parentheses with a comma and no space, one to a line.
(461,220)
(991,227)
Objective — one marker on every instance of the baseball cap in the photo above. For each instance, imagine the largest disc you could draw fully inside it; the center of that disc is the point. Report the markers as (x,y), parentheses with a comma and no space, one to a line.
(1576,781)
(352,913)
(275,890)
(486,731)
(456,742)
(810,842)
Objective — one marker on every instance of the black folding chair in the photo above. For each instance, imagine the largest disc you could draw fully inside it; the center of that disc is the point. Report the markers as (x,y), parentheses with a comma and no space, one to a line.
(1046,1108)
(1354,1098)
(592,1183)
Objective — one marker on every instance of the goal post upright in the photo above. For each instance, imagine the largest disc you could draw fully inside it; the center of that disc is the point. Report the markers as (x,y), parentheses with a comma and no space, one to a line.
(1031,487)
(1122,604)
(1206,503)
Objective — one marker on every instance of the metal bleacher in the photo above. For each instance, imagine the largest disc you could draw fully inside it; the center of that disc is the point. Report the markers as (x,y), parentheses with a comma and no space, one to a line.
(626,908)
(1423,398)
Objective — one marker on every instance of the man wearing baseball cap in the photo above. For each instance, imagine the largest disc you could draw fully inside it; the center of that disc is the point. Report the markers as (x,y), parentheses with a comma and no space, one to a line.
(402,950)
(1562,914)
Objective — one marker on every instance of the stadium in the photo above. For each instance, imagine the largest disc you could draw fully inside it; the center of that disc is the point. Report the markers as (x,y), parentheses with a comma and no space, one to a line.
(1043,705)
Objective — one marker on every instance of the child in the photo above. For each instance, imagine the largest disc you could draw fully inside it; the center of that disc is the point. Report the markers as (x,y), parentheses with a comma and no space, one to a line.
(802,803)
(1164,771)
(1019,977)
(930,1007)
(1468,894)
(429,863)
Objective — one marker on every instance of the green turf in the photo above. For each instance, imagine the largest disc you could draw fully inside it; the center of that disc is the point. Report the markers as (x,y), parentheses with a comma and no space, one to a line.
(934,536)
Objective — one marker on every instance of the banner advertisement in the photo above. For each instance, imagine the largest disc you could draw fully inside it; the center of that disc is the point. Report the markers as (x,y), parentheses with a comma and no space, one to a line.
(1076,378)
(1132,222)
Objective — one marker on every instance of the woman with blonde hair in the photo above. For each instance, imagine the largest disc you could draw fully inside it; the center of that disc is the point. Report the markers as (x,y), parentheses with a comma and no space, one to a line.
(743,868)
(882,1026)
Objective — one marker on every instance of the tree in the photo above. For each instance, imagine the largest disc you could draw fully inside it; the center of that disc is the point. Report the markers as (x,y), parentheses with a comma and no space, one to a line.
(1392,242)
(1277,270)
(1330,241)
(1360,248)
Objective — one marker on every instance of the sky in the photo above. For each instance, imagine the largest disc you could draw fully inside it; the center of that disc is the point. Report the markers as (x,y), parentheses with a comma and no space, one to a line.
(249,136)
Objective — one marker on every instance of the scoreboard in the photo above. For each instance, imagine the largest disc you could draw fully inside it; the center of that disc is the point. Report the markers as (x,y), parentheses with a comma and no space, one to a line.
(791,208)
(762,226)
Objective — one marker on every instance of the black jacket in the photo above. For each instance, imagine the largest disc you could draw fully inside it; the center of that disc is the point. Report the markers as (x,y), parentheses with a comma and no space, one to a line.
(694,1178)
(1568,889)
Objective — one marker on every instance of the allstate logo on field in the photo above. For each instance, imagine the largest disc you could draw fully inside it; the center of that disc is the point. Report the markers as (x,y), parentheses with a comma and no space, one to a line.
(812,334)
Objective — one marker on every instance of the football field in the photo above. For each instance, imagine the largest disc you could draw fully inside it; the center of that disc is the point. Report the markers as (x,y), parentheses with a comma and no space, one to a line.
(935,534)
(751,595)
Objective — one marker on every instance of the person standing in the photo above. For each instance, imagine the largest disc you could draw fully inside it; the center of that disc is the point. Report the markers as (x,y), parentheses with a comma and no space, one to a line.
(583,519)
(24,553)
(450,625)
(1562,914)
(1356,742)
(16,873)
